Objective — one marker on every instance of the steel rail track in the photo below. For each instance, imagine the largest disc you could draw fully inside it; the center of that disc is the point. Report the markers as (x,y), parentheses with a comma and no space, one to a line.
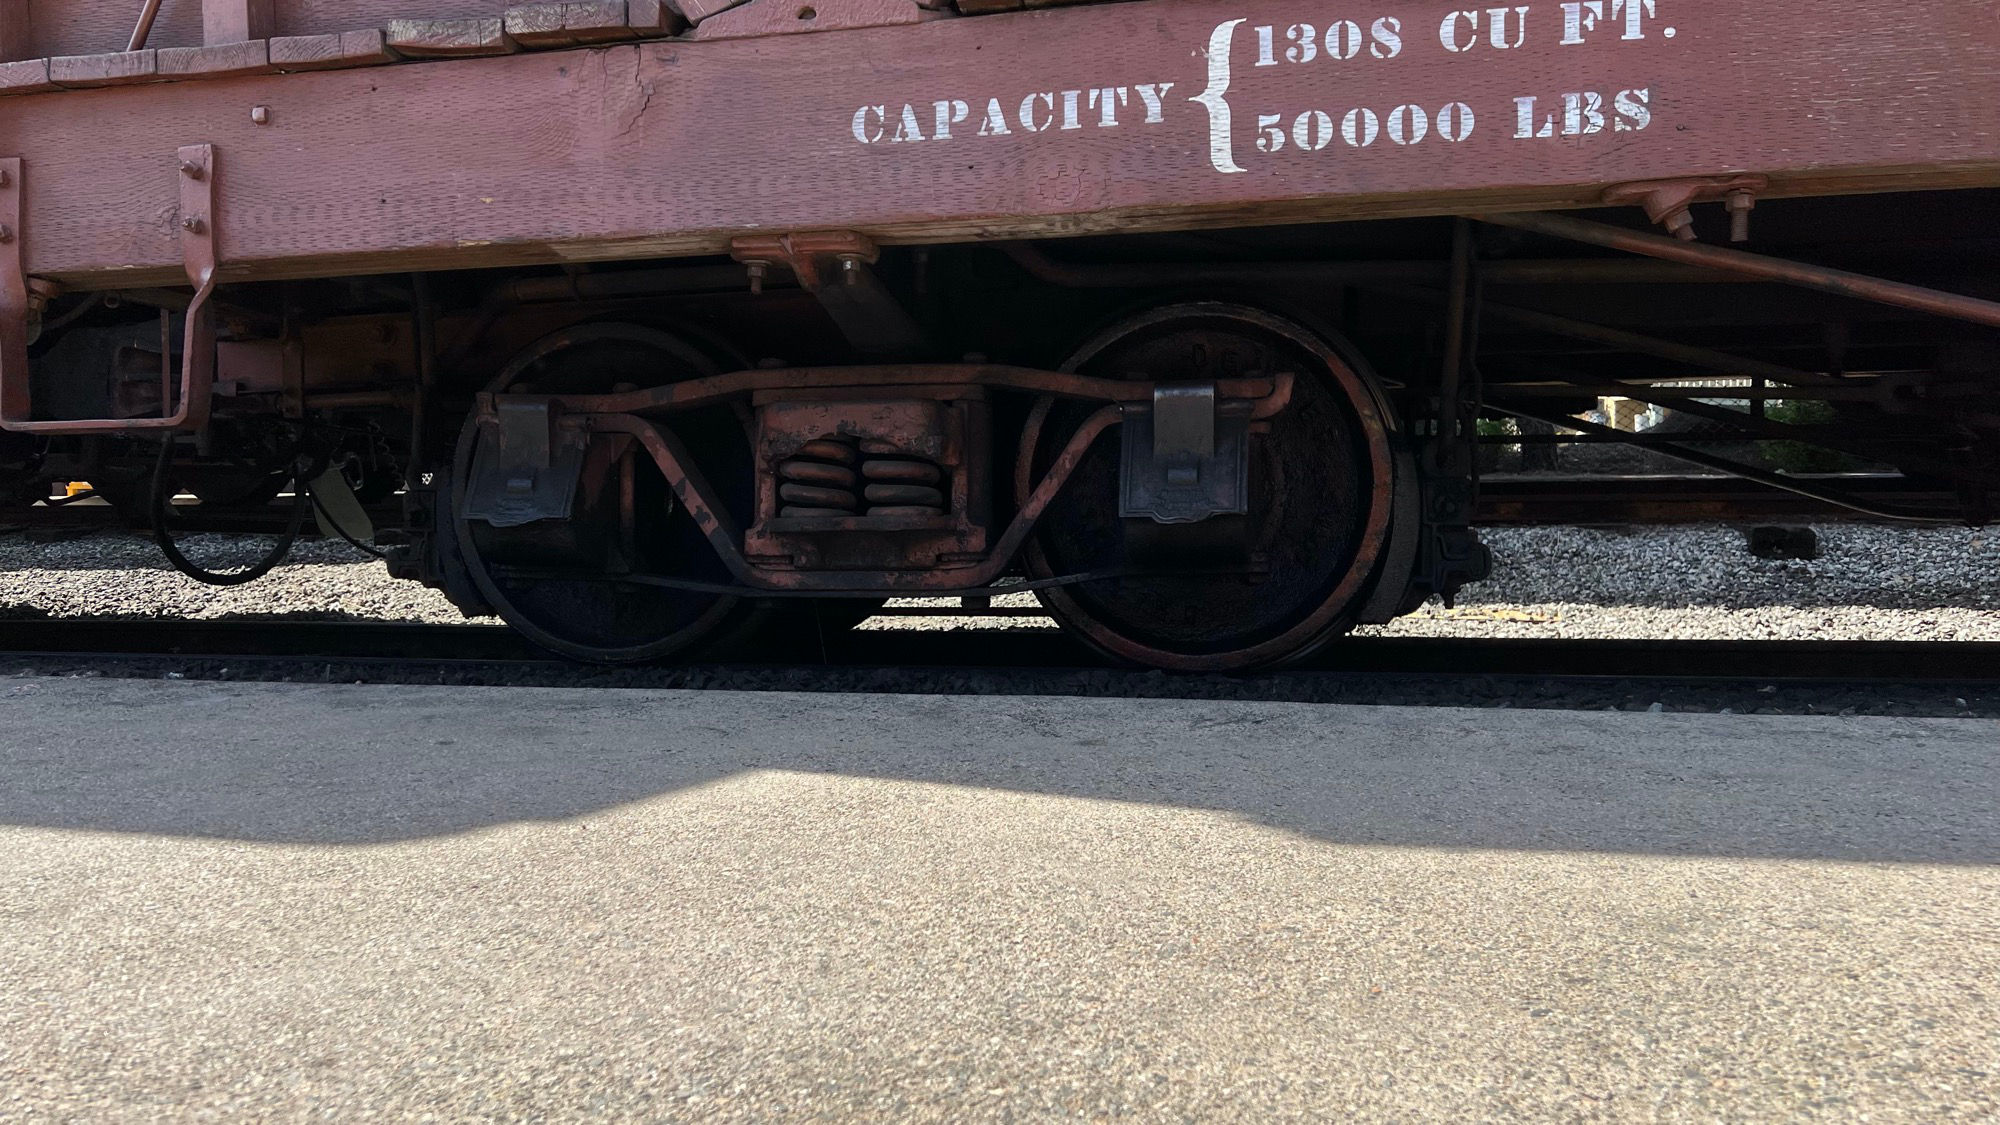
(363,643)
(1507,499)
(1525,500)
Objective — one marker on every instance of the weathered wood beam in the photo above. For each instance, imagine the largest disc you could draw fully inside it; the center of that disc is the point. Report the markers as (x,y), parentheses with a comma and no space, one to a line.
(236,21)
(16,34)
(83,27)
(450,38)
(1095,118)
(653,17)
(217,60)
(541,26)
(695,11)
(117,68)
(790,17)
(29,76)
(332,51)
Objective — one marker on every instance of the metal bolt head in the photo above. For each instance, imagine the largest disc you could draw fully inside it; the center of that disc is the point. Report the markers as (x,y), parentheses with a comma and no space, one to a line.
(1740,204)
(260,114)
(1680,224)
(756,270)
(192,170)
(193,224)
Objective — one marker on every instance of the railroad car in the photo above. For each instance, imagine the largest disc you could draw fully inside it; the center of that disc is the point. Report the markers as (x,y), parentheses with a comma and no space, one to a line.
(1187,316)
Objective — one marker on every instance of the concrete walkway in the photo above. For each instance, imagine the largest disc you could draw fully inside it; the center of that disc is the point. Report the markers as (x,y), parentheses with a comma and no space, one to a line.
(277,900)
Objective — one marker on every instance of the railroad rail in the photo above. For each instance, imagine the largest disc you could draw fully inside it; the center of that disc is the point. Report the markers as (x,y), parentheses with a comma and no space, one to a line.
(1505,500)
(1552,501)
(245,643)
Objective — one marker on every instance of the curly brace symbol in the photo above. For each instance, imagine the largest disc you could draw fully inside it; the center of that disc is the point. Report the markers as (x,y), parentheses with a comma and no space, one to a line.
(1221,152)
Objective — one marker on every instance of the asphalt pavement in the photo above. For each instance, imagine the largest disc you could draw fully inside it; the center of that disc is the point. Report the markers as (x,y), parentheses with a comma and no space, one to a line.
(258,901)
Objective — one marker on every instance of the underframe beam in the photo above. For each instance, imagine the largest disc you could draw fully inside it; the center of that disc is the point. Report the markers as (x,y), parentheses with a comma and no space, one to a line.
(1166,114)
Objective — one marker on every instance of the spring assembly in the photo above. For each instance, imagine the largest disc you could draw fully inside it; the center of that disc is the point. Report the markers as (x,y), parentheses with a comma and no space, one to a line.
(840,477)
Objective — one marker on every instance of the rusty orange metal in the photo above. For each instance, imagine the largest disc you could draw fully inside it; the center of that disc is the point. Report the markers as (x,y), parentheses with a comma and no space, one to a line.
(934,415)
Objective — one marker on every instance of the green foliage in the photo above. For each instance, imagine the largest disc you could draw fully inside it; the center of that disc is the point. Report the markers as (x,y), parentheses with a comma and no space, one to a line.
(1799,456)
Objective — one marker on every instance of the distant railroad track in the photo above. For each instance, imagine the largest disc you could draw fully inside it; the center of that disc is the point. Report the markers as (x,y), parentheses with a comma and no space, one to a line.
(1506,500)
(378,643)
(1537,501)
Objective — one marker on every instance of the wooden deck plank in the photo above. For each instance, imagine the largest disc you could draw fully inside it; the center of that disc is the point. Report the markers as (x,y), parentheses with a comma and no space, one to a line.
(790,17)
(82,27)
(540,26)
(695,11)
(601,21)
(121,68)
(27,76)
(331,52)
(450,38)
(223,60)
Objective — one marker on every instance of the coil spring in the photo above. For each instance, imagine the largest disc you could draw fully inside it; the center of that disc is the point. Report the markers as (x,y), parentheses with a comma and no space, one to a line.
(835,477)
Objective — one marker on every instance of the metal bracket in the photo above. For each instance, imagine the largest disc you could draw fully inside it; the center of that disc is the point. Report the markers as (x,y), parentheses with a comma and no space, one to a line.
(198,254)
(1183,425)
(834,267)
(1667,202)
(1184,460)
(527,466)
(807,255)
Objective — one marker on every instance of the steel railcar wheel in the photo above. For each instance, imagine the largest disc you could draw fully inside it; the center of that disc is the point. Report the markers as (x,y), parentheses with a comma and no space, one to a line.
(1231,592)
(594,616)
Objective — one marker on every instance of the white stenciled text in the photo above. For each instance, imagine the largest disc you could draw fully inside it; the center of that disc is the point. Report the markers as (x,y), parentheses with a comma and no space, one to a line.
(1099,107)
(1339,82)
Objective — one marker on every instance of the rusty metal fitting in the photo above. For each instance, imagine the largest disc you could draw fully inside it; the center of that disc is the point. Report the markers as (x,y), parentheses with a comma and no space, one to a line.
(193,224)
(192,170)
(1740,203)
(757,269)
(809,255)
(260,114)
(850,269)
(41,292)
(1668,202)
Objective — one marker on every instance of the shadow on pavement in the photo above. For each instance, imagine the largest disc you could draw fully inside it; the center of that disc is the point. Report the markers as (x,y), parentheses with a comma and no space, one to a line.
(301,764)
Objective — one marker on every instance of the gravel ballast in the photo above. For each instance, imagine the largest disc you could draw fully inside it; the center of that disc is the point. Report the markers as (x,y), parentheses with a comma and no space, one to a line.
(1870,583)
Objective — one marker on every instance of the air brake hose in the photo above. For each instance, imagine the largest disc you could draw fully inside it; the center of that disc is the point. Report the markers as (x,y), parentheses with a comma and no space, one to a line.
(163,495)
